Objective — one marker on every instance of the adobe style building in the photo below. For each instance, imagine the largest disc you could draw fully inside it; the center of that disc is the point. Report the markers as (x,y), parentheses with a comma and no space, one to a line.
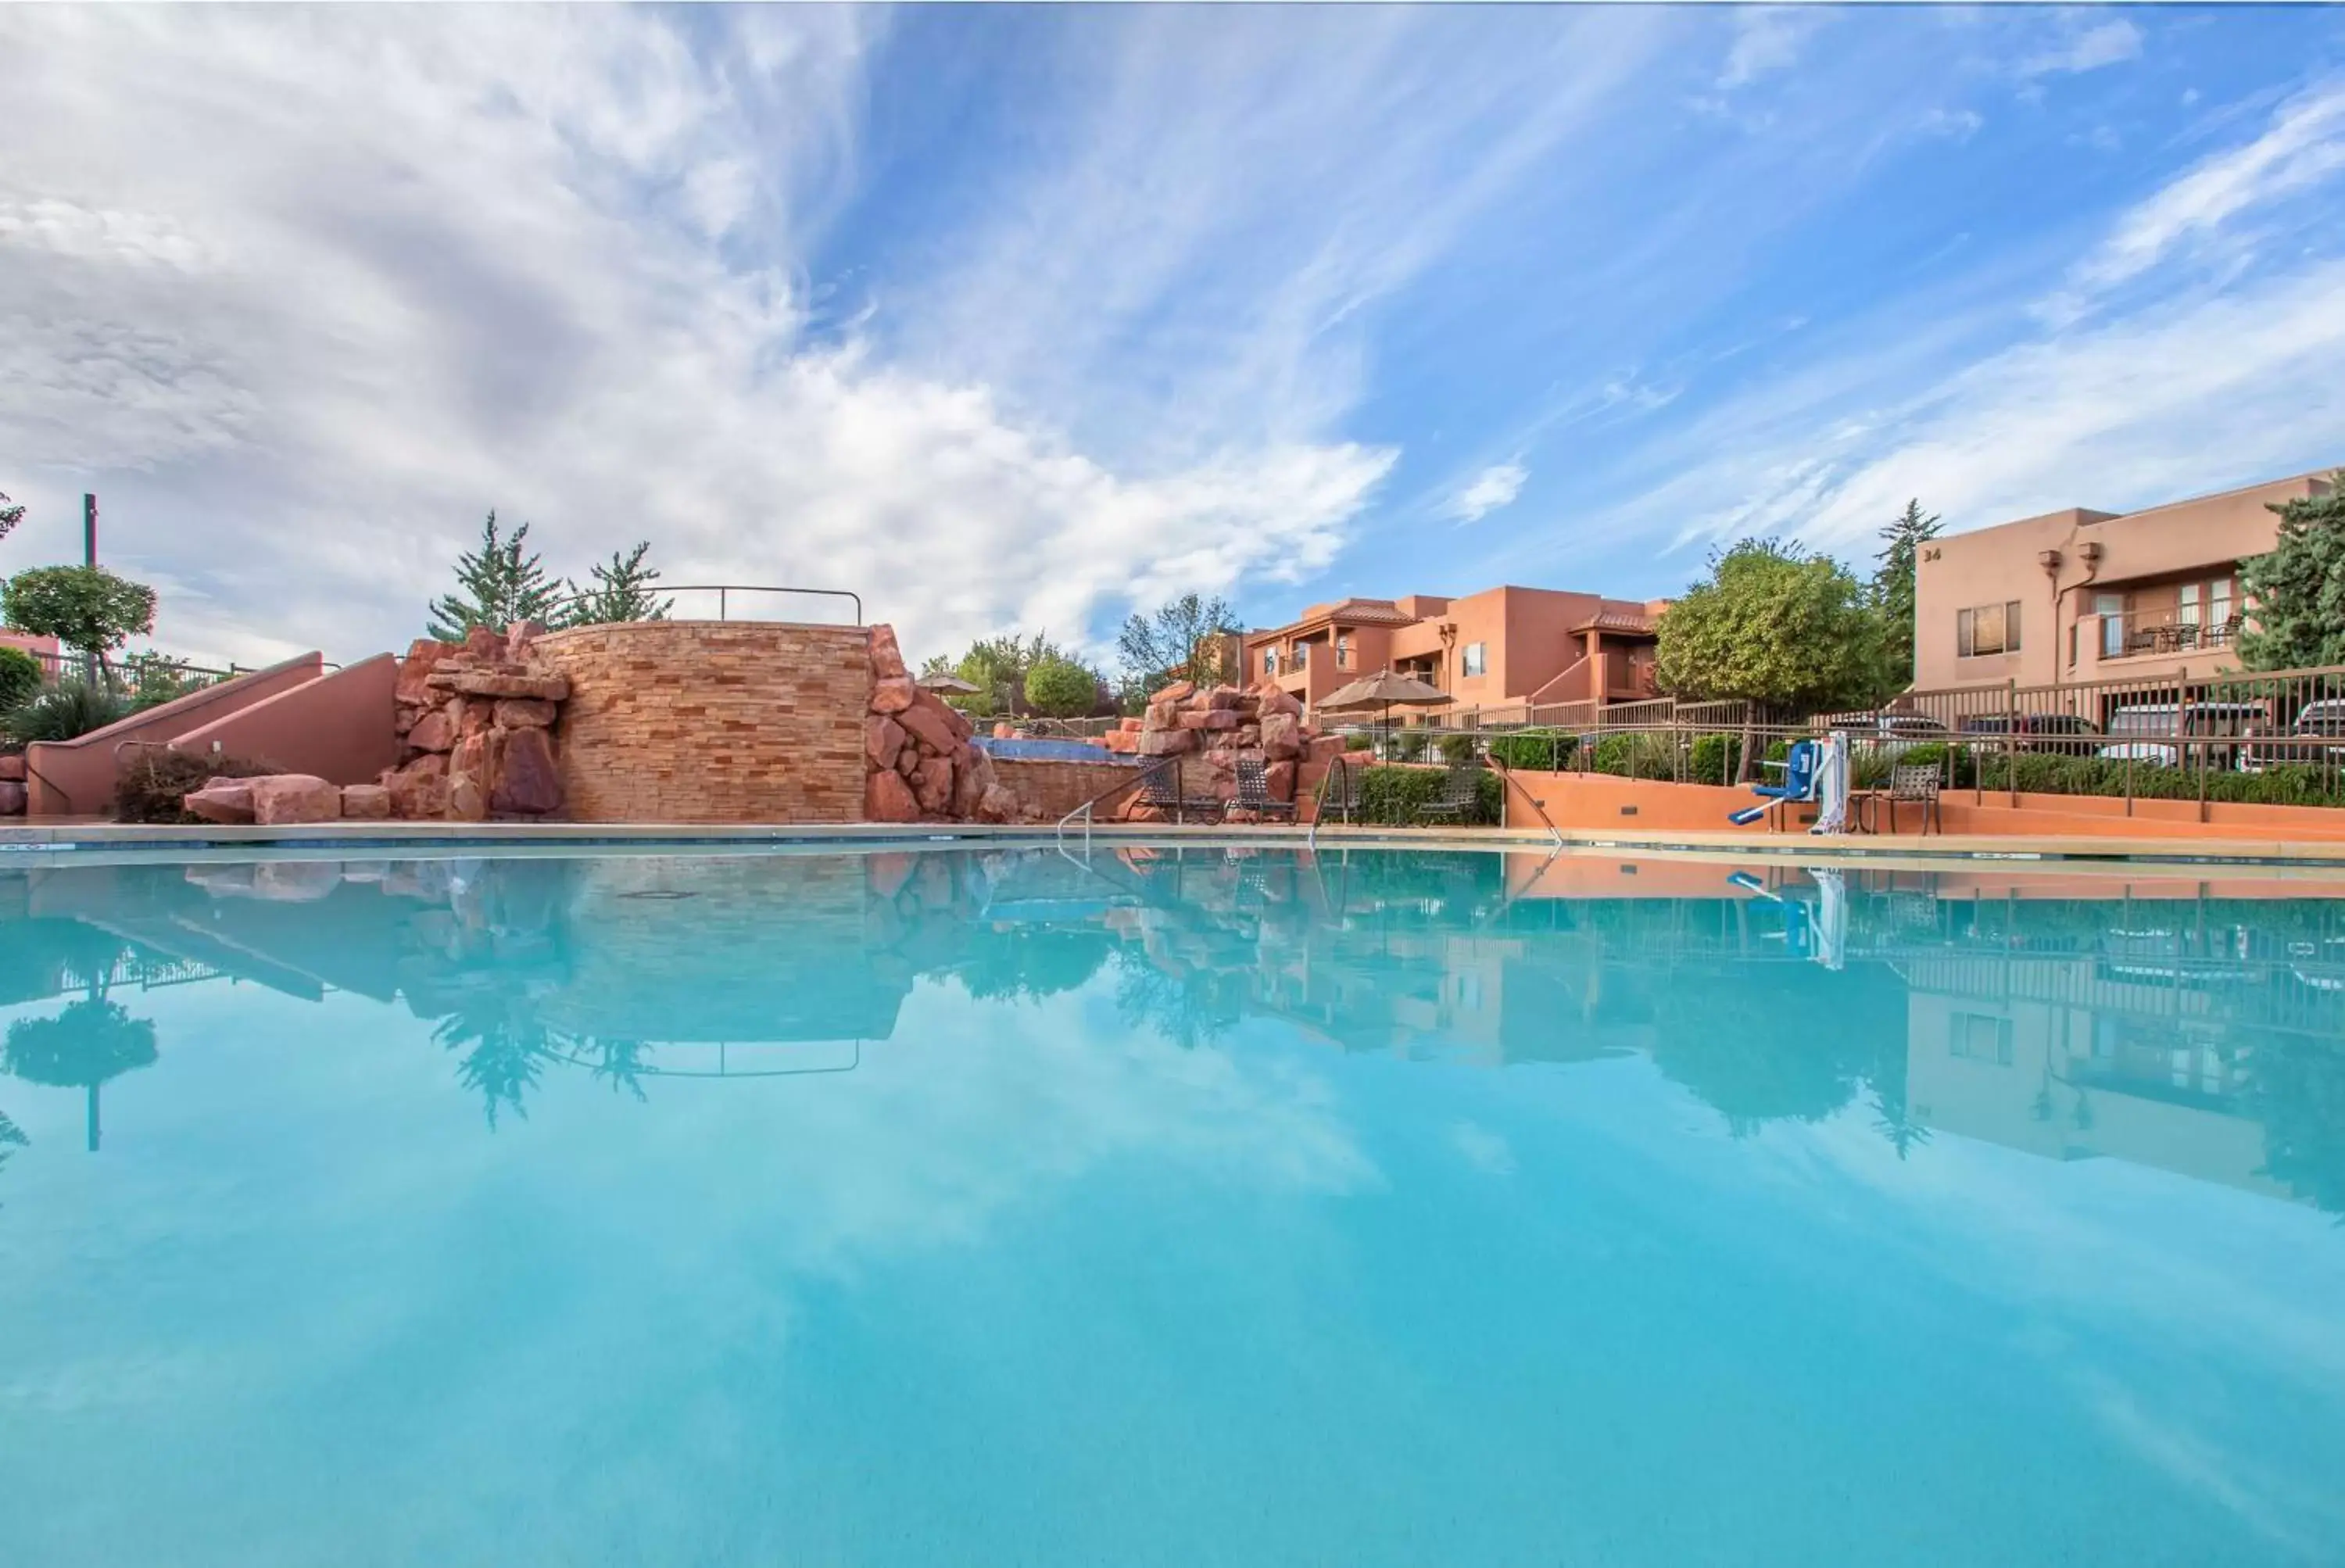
(2081,595)
(1505,647)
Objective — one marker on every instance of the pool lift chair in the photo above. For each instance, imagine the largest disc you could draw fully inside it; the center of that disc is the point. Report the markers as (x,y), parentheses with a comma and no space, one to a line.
(1799,784)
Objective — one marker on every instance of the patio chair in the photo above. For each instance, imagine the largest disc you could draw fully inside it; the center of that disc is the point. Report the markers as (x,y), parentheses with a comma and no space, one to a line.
(1461,792)
(1160,787)
(1914,782)
(1253,791)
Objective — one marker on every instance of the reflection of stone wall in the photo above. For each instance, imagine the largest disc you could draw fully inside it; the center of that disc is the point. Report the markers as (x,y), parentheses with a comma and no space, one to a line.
(707,721)
(765,948)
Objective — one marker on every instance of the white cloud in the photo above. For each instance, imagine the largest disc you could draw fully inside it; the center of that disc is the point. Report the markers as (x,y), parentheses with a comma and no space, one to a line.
(2303,145)
(1486,492)
(2178,401)
(310,291)
(1767,39)
(1955,125)
(2104,44)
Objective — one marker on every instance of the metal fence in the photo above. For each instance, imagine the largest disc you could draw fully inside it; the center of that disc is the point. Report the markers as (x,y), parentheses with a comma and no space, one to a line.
(2273,737)
(136,676)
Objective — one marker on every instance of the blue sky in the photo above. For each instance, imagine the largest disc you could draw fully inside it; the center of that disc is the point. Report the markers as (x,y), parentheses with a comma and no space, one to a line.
(1020,317)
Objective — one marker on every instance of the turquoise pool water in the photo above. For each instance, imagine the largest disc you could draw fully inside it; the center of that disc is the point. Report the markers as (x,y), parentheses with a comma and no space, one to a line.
(959,1208)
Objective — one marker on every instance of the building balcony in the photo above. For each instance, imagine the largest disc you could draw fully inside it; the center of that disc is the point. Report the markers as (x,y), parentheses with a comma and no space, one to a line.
(2161,635)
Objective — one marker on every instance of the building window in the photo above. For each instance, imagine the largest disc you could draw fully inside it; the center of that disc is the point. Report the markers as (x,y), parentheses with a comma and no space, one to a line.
(1474,658)
(1270,661)
(1302,656)
(1987,629)
(1981,1037)
(1343,653)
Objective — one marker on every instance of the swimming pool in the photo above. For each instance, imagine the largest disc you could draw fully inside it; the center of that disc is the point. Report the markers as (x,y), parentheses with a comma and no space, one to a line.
(1184,1206)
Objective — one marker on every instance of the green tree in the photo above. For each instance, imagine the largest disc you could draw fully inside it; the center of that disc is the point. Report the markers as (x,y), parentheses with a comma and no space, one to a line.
(1775,625)
(1062,688)
(1892,588)
(496,586)
(998,667)
(87,609)
(10,513)
(2298,590)
(621,592)
(1181,641)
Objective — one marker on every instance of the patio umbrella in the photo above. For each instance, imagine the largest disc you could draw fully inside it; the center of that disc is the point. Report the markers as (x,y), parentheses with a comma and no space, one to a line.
(1382,692)
(947,684)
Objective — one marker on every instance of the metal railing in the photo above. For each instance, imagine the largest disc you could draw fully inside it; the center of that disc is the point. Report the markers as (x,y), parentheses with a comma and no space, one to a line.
(2149,632)
(725,593)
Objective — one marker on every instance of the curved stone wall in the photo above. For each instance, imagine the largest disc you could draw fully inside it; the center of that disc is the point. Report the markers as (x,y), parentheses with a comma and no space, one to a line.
(712,721)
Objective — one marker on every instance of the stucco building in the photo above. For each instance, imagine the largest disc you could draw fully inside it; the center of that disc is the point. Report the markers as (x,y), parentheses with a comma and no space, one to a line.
(2081,595)
(1502,648)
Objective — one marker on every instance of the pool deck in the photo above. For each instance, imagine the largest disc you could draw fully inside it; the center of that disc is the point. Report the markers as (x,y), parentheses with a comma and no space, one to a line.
(56,840)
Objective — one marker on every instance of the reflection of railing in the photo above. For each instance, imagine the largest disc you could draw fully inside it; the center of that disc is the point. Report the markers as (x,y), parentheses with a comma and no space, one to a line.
(723,1069)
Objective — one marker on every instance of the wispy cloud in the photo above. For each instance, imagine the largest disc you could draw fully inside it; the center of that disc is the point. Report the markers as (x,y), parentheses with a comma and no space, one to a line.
(2103,44)
(1767,39)
(1486,492)
(2301,147)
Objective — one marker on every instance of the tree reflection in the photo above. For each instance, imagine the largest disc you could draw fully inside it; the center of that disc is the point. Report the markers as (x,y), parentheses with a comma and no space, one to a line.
(87,1044)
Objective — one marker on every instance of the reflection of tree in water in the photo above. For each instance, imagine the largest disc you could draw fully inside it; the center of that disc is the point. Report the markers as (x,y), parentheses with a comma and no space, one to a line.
(92,1040)
(2297,1089)
(503,1045)
(12,1138)
(1032,961)
(1191,1008)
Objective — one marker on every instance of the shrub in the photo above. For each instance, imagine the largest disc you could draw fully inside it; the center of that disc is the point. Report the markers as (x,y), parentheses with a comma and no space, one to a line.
(154,786)
(1715,758)
(153,680)
(1457,750)
(1548,750)
(1634,755)
(20,677)
(65,712)
(1408,745)
(1395,796)
(1358,740)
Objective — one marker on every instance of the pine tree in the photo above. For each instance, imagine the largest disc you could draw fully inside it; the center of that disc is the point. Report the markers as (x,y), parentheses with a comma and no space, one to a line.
(10,513)
(495,587)
(2297,593)
(621,592)
(1893,588)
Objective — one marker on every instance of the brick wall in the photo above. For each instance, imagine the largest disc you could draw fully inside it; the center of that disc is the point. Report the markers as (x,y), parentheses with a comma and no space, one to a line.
(712,721)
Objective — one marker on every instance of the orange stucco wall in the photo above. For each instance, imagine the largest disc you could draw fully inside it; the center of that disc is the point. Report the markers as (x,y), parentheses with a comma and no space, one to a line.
(338,727)
(75,778)
(1998,564)
(1580,803)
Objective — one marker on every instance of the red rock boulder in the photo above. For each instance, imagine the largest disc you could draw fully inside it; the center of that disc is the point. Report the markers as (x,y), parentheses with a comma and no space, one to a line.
(365,803)
(888,798)
(423,655)
(893,696)
(887,658)
(280,797)
(525,780)
(435,731)
(12,769)
(419,790)
(932,785)
(469,767)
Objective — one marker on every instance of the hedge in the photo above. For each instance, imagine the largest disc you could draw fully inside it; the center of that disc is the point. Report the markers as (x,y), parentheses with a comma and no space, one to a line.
(1541,750)
(2060,773)
(1394,796)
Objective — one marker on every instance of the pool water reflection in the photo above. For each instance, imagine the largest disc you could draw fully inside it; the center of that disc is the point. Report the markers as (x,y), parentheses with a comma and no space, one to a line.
(1174,1207)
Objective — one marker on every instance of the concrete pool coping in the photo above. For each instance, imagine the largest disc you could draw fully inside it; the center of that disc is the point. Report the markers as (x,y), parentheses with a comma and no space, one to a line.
(84,841)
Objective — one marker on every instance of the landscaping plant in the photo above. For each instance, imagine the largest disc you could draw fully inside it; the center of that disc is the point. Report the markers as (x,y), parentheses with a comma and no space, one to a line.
(1396,796)
(1062,688)
(65,711)
(1773,625)
(1541,750)
(156,783)
(20,677)
(2298,588)
(496,586)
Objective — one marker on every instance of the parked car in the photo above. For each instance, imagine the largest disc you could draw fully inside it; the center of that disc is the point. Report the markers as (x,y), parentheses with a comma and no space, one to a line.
(1888,734)
(2222,724)
(2070,733)
(2317,739)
